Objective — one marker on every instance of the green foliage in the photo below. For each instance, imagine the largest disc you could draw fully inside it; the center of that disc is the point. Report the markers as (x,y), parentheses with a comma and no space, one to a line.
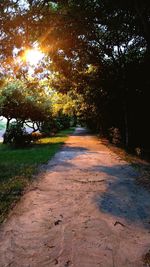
(17,136)
(12,100)
(58,123)
(62,122)
(24,101)
(99,50)
(49,128)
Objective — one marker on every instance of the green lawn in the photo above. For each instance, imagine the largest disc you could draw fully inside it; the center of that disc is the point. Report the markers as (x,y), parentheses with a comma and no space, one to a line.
(17,167)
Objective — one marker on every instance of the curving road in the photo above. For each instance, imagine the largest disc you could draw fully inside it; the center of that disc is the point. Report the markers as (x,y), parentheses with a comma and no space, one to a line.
(85,210)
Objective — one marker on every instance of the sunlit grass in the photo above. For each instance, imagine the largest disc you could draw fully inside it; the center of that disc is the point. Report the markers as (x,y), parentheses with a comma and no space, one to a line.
(17,167)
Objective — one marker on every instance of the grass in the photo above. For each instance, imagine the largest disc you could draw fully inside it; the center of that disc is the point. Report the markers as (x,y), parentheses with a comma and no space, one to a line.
(17,167)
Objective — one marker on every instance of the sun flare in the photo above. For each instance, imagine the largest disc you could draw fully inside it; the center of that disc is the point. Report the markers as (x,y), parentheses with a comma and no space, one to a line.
(33,56)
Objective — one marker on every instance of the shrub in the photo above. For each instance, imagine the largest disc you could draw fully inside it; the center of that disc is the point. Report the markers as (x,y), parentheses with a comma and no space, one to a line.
(36,136)
(114,136)
(63,122)
(51,127)
(17,136)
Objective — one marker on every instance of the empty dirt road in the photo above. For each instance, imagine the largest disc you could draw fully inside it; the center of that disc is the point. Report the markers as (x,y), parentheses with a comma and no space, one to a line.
(85,210)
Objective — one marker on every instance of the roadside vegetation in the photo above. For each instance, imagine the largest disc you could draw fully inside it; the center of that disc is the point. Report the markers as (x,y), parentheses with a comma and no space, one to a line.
(18,167)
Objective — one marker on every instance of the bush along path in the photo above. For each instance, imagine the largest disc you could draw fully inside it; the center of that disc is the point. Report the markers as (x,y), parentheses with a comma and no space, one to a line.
(85,211)
(17,167)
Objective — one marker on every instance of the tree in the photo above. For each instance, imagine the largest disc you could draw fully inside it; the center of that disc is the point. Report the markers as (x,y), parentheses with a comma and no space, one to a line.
(100,50)
(24,101)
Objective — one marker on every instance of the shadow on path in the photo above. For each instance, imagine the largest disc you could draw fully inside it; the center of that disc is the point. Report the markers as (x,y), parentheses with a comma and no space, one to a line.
(123,198)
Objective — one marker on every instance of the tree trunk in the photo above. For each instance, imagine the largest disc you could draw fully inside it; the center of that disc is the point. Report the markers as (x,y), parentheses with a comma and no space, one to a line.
(7,124)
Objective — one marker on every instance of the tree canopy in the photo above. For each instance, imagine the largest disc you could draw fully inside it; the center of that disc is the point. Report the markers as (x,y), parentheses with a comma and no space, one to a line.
(98,51)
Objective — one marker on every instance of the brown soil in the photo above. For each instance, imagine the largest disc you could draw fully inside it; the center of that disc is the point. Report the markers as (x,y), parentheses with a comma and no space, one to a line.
(85,211)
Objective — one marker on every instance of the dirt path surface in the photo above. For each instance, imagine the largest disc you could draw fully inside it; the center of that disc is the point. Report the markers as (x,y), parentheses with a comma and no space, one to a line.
(85,211)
